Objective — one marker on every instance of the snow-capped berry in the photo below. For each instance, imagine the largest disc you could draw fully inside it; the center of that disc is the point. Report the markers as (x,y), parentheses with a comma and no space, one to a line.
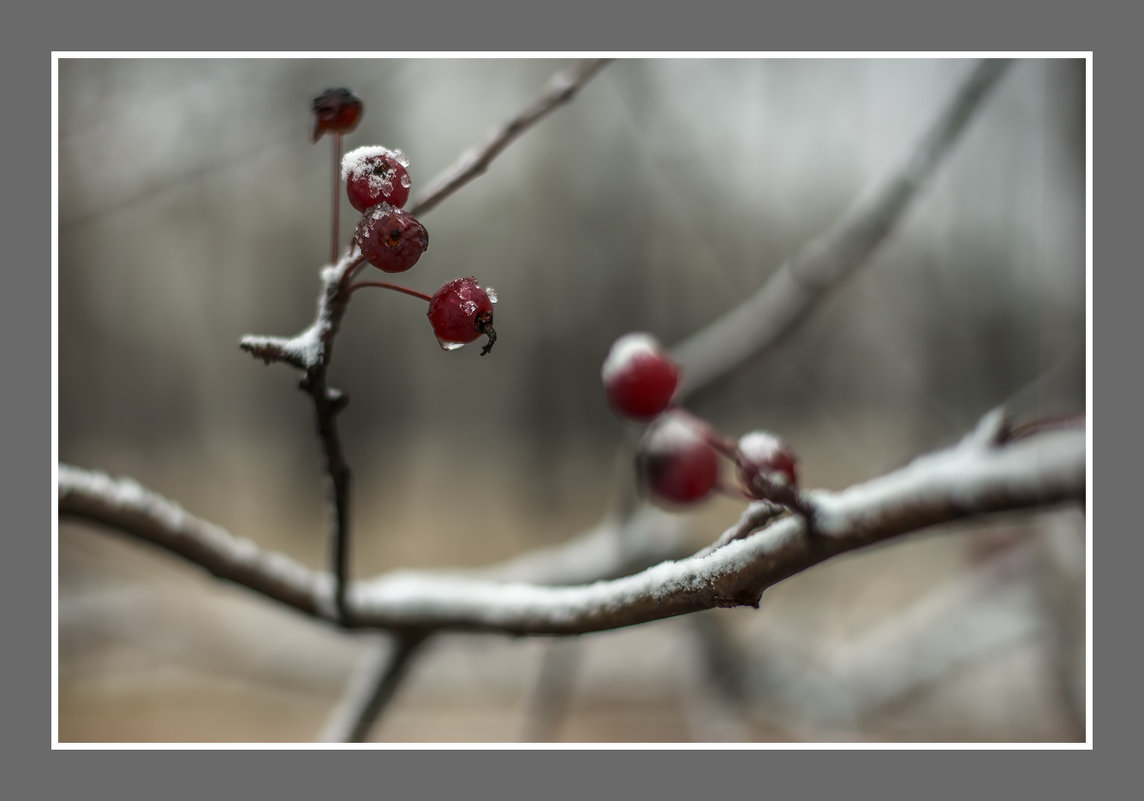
(335,110)
(391,239)
(460,311)
(675,462)
(376,175)
(639,378)
(764,454)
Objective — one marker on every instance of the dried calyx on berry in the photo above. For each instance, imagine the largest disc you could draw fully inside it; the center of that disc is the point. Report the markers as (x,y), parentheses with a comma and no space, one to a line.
(335,110)
(675,461)
(639,378)
(391,239)
(460,311)
(376,175)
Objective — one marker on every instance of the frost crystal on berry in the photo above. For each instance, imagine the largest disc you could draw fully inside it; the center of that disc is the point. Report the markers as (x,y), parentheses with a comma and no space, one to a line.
(391,239)
(461,311)
(675,461)
(639,378)
(376,175)
(765,454)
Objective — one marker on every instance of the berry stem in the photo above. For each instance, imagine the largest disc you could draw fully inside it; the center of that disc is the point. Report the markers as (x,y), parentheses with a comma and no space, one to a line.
(394,287)
(335,195)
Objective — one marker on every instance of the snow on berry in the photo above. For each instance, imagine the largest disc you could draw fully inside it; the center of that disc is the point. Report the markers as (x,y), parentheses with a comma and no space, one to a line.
(460,311)
(762,453)
(390,238)
(335,110)
(639,378)
(675,461)
(376,175)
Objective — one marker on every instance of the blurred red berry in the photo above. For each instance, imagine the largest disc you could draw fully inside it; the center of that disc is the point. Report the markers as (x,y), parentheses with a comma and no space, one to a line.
(675,461)
(375,175)
(764,454)
(335,110)
(639,378)
(460,311)
(391,239)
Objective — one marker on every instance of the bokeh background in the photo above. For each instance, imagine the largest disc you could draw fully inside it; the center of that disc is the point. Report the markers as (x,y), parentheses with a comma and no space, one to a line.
(194,209)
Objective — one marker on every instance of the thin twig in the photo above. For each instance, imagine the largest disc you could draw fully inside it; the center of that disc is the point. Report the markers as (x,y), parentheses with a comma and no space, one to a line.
(970,480)
(370,690)
(472,163)
(311,351)
(798,285)
(756,516)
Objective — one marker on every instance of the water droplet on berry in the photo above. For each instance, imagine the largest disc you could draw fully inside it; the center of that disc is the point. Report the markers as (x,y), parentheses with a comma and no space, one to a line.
(406,181)
(492,293)
(446,345)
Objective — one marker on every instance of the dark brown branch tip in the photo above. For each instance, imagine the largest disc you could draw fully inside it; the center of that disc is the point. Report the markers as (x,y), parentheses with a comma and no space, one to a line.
(484,324)
(338,399)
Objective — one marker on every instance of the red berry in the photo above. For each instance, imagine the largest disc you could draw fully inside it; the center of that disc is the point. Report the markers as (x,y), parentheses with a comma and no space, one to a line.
(675,461)
(335,110)
(375,175)
(639,378)
(764,454)
(461,311)
(392,240)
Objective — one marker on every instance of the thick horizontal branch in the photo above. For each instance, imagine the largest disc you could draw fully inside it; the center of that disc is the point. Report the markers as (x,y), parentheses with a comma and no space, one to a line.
(977,477)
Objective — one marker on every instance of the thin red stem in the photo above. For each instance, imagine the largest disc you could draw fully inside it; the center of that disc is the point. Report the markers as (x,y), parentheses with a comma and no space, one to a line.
(394,287)
(336,196)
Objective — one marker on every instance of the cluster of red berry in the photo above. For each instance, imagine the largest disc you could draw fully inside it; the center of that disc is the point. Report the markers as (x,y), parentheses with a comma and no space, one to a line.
(389,237)
(678,457)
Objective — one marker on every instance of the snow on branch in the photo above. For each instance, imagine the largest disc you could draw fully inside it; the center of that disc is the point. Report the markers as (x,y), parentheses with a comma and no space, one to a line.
(976,477)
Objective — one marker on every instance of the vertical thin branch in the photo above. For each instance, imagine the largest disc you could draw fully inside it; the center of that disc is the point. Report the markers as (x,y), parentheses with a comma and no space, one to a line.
(547,704)
(370,690)
(326,405)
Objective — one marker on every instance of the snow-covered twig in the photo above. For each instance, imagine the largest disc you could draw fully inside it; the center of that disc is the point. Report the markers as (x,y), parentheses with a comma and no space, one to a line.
(798,285)
(970,480)
(472,163)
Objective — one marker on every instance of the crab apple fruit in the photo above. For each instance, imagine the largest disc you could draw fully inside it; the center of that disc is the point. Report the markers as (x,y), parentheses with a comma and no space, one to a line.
(391,239)
(639,378)
(675,461)
(335,110)
(762,453)
(460,311)
(376,175)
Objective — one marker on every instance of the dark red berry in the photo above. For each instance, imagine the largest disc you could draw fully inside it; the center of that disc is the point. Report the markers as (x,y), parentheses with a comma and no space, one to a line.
(461,311)
(764,454)
(375,175)
(639,378)
(675,461)
(392,240)
(335,110)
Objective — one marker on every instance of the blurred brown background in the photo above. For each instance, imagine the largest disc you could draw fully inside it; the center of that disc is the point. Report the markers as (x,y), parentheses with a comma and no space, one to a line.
(193,209)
